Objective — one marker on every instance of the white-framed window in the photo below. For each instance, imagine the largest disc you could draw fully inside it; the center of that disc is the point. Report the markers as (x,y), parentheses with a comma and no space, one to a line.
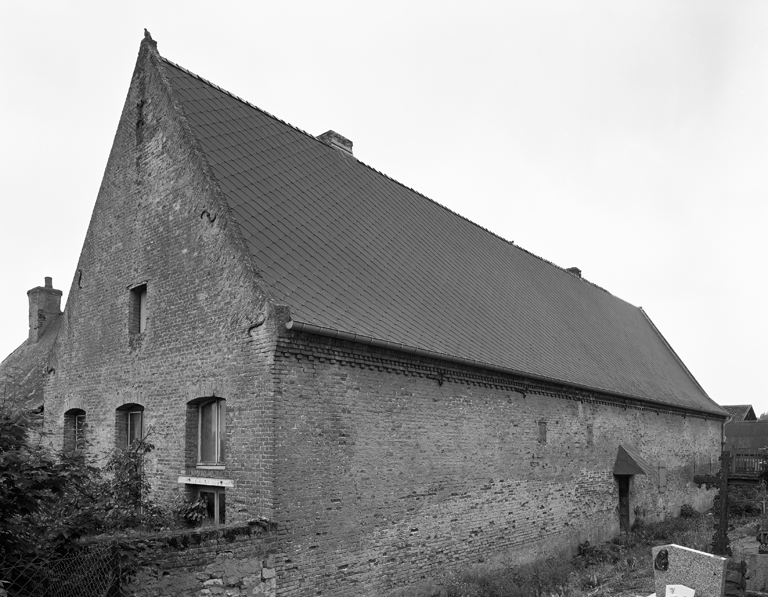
(129,424)
(211,432)
(135,425)
(215,500)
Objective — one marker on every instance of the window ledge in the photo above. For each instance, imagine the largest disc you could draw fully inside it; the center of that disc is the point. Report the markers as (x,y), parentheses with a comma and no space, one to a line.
(206,481)
(211,467)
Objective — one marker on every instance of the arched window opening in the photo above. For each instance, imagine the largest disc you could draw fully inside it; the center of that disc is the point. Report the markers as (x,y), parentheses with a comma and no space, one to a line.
(129,424)
(74,430)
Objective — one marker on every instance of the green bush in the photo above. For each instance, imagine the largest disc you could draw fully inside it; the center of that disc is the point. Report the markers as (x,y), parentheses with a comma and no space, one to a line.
(48,500)
(743,500)
(604,553)
(548,577)
(688,511)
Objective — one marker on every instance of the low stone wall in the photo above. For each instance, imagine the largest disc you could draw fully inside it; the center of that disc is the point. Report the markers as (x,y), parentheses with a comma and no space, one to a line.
(229,561)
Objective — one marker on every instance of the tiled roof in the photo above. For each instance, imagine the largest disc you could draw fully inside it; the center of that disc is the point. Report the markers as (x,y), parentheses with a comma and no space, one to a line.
(739,412)
(350,249)
(23,371)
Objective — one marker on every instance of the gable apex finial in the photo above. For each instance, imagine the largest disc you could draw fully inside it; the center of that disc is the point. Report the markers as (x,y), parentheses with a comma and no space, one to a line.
(148,37)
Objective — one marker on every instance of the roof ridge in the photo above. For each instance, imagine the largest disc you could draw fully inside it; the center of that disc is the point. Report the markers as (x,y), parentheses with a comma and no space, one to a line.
(237,97)
(560,267)
(379,172)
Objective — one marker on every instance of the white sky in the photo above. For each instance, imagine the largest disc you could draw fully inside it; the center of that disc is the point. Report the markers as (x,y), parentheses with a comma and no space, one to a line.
(629,139)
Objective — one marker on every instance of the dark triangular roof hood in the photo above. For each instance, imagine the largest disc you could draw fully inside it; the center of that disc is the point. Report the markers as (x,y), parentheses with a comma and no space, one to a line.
(629,462)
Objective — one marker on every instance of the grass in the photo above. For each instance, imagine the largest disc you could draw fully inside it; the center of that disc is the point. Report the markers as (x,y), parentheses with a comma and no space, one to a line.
(621,567)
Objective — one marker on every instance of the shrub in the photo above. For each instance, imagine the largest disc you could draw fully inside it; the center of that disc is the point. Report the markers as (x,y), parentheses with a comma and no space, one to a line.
(688,511)
(591,555)
(549,577)
(48,501)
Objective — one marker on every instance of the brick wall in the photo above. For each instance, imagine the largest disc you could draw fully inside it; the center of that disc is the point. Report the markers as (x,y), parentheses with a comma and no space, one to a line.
(381,470)
(394,470)
(159,221)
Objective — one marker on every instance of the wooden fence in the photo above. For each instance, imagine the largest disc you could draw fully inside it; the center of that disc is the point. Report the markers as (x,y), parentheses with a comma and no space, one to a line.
(748,462)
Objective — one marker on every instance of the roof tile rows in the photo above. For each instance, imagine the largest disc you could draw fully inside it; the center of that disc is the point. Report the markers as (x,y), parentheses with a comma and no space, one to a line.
(350,249)
(740,412)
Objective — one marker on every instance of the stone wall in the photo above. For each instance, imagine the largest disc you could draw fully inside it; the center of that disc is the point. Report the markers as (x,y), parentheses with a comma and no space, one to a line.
(393,470)
(231,561)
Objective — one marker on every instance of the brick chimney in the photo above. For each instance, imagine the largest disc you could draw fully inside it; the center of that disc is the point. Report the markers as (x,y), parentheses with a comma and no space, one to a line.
(333,139)
(44,305)
(575,271)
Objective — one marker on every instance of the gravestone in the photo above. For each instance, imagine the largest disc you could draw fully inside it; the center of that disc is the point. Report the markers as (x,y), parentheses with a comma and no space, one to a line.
(758,573)
(676,565)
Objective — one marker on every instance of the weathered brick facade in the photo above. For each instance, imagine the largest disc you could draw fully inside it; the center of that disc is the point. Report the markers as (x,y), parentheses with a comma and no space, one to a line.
(380,468)
(152,226)
(392,469)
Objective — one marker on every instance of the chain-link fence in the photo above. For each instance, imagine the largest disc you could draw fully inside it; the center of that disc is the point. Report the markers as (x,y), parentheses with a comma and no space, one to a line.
(90,572)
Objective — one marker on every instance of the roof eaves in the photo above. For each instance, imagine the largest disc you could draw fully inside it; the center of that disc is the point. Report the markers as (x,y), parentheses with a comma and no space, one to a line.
(300,326)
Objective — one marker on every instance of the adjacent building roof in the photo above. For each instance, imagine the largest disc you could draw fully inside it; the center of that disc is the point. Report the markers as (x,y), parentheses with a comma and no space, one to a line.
(740,412)
(351,250)
(22,372)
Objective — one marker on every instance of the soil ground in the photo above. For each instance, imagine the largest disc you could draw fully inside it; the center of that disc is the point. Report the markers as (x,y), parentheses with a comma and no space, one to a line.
(621,567)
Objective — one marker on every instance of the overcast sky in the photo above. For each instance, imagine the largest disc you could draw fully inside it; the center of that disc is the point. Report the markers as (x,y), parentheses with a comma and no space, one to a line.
(629,139)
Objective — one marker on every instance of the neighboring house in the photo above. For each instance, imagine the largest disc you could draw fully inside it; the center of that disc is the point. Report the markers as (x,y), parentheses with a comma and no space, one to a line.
(399,390)
(746,438)
(22,372)
(747,441)
(739,412)
(745,435)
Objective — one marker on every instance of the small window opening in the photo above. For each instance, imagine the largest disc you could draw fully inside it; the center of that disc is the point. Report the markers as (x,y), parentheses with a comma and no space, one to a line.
(74,430)
(129,424)
(137,310)
(662,478)
(215,505)
(542,432)
(590,435)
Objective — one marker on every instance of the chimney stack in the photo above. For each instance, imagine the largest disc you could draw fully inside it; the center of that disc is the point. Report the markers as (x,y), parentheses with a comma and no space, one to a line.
(44,305)
(575,271)
(333,139)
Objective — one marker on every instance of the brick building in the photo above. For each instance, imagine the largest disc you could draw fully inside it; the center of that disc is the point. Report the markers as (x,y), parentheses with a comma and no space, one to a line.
(401,391)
